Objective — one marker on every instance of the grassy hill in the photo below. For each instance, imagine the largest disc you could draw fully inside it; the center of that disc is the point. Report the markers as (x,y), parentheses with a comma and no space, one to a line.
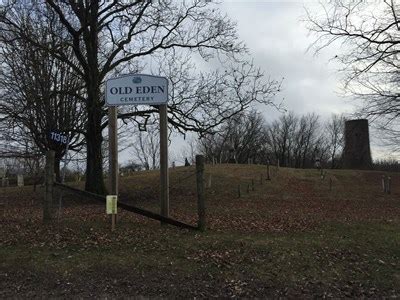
(296,235)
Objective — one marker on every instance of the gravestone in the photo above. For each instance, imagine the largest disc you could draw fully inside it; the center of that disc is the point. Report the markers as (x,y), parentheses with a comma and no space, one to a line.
(20,180)
(4,180)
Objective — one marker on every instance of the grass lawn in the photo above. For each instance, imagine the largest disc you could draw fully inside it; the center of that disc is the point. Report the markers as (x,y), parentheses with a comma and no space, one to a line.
(292,236)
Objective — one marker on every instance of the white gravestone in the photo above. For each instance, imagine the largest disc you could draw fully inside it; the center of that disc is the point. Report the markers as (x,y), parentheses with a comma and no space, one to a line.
(2,173)
(20,180)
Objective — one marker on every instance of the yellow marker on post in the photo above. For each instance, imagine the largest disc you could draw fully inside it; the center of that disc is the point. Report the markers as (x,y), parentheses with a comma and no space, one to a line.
(111,208)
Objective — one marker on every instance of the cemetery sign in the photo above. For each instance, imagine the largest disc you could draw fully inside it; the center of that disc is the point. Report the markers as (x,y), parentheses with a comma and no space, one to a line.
(137,89)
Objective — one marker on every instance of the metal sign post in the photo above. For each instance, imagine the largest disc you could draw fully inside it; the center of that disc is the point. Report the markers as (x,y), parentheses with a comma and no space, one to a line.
(65,161)
(60,138)
(139,89)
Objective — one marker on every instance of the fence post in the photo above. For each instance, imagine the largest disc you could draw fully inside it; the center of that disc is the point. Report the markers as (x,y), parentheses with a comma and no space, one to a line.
(389,183)
(384,184)
(209,181)
(49,182)
(200,192)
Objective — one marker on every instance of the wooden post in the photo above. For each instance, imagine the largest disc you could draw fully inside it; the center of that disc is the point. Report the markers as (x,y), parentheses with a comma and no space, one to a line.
(268,172)
(252,185)
(113,157)
(113,221)
(164,178)
(248,188)
(49,182)
(383,184)
(388,183)
(200,192)
(209,181)
(113,151)
(5,203)
(330,183)
(239,191)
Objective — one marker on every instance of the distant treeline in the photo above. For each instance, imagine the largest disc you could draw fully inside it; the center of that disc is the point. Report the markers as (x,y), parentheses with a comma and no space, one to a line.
(389,165)
(294,141)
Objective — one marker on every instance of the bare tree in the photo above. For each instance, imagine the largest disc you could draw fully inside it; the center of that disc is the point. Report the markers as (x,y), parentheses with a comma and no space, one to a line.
(106,35)
(369,33)
(242,136)
(37,94)
(296,141)
(280,137)
(334,129)
(146,148)
(309,131)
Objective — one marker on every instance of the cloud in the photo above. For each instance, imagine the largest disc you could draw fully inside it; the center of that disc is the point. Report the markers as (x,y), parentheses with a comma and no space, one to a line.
(278,40)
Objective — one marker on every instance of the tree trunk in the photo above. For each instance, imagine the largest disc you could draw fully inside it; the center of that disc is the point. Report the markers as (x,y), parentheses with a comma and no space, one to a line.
(57,161)
(94,138)
(94,160)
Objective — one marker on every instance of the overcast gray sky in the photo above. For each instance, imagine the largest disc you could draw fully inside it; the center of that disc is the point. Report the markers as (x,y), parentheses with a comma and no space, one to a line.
(278,40)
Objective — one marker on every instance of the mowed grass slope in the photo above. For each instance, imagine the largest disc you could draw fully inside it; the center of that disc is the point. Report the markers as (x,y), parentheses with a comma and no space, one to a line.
(290,236)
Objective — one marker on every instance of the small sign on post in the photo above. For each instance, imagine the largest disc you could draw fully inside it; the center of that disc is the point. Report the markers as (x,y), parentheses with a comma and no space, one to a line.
(58,137)
(111,208)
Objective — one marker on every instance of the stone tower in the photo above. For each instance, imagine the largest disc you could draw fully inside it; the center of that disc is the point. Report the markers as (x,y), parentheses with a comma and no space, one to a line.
(356,153)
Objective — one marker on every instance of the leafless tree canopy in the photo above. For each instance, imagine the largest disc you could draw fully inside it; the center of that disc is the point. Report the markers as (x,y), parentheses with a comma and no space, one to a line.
(240,139)
(369,35)
(146,148)
(296,141)
(110,37)
(38,94)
